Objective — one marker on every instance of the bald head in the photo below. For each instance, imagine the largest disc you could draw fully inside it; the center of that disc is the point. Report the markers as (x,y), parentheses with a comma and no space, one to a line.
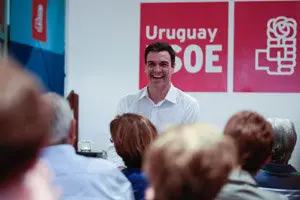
(24,120)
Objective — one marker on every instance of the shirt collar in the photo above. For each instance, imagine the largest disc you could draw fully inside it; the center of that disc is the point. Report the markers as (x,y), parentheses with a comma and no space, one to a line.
(171,95)
(143,93)
(57,150)
(279,168)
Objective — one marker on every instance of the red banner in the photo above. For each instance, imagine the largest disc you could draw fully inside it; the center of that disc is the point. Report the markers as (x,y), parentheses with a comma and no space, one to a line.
(266,47)
(2,16)
(39,20)
(198,33)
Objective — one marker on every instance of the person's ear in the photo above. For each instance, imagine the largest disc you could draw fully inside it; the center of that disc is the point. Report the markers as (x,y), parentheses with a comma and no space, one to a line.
(72,132)
(173,68)
(173,65)
(145,67)
(149,193)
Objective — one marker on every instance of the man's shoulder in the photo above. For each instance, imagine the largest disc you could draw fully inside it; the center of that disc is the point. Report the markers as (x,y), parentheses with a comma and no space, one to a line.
(63,160)
(107,180)
(247,192)
(128,98)
(83,164)
(241,189)
(185,97)
(99,165)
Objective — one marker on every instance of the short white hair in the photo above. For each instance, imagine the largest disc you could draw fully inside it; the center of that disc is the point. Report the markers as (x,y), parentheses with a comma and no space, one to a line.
(285,138)
(63,116)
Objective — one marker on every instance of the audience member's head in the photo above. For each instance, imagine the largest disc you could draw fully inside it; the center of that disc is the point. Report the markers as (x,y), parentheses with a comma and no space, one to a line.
(132,134)
(189,162)
(63,123)
(254,137)
(285,140)
(24,121)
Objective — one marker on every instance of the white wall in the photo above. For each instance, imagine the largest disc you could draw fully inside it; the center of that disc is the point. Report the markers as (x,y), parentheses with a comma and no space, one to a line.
(102,65)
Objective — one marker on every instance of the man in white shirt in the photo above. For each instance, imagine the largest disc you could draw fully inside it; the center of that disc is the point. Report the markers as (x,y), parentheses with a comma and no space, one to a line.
(159,101)
(77,176)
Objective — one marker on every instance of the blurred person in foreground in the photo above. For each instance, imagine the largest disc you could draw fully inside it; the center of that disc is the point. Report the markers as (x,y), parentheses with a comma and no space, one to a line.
(189,162)
(278,174)
(131,135)
(24,129)
(79,177)
(254,137)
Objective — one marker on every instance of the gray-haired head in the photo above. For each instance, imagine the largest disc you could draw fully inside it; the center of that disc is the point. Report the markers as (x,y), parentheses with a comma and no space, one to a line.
(62,119)
(285,140)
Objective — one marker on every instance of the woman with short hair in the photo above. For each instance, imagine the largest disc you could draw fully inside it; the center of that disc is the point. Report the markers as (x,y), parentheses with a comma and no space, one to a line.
(131,135)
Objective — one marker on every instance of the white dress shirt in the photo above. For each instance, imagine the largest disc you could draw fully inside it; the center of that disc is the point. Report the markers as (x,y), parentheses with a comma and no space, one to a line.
(85,178)
(177,108)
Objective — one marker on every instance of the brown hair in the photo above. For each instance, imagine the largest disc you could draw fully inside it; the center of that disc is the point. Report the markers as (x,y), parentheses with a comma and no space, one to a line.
(131,134)
(189,162)
(254,137)
(24,121)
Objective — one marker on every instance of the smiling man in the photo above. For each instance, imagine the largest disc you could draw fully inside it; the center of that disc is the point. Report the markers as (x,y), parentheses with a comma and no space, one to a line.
(160,101)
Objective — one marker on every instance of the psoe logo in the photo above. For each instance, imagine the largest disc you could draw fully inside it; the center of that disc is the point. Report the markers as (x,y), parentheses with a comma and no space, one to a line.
(39,19)
(281,47)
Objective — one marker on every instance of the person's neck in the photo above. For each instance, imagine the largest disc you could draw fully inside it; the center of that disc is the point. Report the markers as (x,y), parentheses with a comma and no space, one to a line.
(157,94)
(278,163)
(61,142)
(240,168)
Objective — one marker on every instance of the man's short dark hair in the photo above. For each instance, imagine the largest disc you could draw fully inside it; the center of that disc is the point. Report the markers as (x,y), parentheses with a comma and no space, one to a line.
(159,47)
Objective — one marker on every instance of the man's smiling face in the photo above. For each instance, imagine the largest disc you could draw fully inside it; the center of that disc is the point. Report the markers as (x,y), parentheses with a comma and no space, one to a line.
(159,68)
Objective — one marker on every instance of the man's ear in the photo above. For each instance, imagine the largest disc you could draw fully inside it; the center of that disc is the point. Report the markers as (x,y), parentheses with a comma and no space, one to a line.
(72,133)
(149,193)
(173,67)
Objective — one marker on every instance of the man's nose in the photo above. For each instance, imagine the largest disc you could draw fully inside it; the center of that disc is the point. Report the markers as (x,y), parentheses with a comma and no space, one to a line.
(157,68)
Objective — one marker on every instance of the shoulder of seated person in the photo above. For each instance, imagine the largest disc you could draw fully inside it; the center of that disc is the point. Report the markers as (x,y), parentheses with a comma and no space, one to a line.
(99,165)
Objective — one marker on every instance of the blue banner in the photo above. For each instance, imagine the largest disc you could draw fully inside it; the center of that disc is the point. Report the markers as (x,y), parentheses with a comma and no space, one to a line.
(37,35)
